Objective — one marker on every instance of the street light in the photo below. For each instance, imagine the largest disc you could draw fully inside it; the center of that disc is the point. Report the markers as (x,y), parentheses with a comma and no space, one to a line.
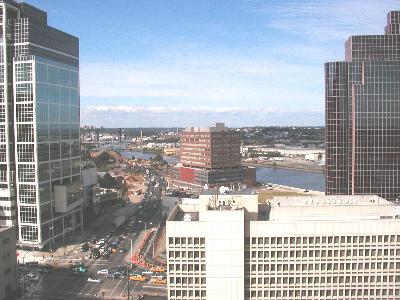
(127,266)
(50,228)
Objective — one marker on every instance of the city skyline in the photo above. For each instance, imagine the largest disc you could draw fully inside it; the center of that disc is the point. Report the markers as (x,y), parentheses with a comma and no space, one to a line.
(244,63)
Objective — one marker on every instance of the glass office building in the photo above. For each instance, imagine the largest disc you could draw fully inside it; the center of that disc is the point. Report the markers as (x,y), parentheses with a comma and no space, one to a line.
(363,116)
(40,184)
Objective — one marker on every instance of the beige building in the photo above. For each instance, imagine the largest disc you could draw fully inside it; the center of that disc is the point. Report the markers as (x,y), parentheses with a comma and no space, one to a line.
(8,262)
(325,247)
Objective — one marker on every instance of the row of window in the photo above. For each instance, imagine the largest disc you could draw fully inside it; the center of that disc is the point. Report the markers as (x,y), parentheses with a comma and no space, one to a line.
(187,267)
(187,240)
(187,280)
(296,294)
(325,240)
(183,294)
(321,280)
(370,253)
(187,254)
(350,267)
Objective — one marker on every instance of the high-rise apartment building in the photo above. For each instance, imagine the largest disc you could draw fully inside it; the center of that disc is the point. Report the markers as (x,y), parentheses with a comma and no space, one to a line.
(214,147)
(363,115)
(227,246)
(40,184)
(211,156)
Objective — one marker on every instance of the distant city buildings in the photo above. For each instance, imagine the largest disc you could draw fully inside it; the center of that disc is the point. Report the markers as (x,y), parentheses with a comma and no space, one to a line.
(40,183)
(228,246)
(363,115)
(8,263)
(211,156)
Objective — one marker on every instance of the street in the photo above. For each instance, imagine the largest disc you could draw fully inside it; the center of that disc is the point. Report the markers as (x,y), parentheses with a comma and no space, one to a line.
(59,281)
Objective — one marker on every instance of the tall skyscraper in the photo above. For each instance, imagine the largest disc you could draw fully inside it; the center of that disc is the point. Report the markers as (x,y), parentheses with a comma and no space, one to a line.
(363,115)
(40,184)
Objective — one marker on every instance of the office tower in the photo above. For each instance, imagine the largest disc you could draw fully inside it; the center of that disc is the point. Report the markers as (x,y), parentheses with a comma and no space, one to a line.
(210,156)
(8,263)
(227,246)
(363,115)
(40,185)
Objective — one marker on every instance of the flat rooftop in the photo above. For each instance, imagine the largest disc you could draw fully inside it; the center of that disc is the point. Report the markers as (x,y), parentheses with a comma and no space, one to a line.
(186,216)
(331,208)
(215,191)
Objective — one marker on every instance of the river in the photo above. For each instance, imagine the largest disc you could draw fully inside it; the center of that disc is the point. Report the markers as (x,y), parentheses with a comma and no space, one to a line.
(295,178)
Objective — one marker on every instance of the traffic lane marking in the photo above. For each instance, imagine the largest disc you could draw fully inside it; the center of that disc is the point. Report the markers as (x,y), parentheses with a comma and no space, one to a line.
(112,292)
(131,290)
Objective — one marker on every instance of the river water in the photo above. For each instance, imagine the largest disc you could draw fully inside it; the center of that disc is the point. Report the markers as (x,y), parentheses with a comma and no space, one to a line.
(295,178)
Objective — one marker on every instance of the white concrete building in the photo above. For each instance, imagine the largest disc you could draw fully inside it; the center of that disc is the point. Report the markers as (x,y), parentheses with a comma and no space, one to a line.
(325,247)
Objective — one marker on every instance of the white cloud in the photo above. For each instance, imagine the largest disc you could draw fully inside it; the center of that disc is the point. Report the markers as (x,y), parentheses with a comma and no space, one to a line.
(208,79)
(257,82)
(139,116)
(327,20)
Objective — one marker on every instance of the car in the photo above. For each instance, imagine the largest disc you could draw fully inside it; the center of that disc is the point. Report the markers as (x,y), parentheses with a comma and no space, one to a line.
(32,276)
(147,272)
(77,265)
(158,269)
(80,269)
(85,247)
(94,279)
(102,272)
(115,275)
(137,278)
(159,281)
(122,250)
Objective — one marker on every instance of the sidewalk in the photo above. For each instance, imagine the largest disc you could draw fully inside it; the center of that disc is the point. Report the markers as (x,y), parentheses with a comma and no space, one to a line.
(73,242)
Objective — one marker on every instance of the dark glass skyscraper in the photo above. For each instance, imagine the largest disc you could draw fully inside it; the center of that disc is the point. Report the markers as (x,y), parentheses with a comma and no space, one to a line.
(40,185)
(363,115)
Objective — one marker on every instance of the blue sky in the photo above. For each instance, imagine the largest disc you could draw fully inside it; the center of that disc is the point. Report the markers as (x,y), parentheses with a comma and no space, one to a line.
(150,63)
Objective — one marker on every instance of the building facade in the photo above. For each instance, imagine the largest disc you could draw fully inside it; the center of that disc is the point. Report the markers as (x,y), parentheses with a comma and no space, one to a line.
(329,247)
(214,147)
(363,115)
(210,156)
(40,184)
(8,263)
